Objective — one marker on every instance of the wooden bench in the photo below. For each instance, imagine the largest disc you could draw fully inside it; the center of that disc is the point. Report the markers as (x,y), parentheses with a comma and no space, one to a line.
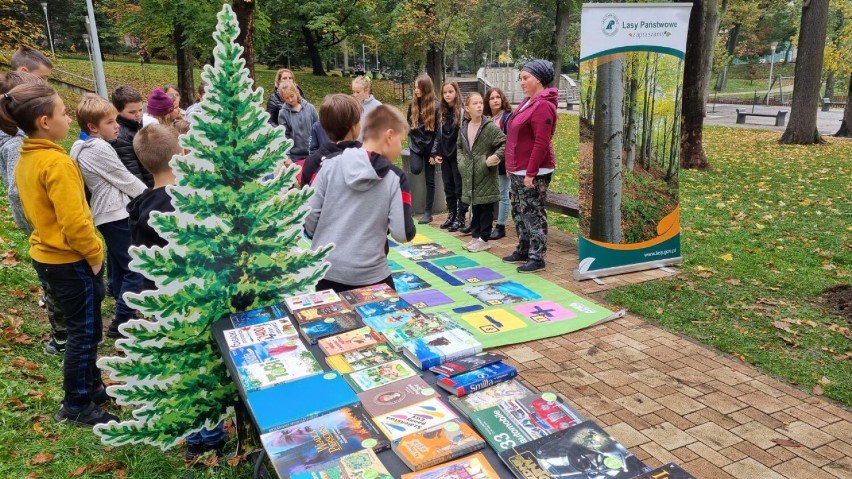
(780,117)
(827,104)
(565,204)
(569,104)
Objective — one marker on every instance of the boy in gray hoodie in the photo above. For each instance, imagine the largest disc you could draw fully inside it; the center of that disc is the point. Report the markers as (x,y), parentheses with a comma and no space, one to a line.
(359,197)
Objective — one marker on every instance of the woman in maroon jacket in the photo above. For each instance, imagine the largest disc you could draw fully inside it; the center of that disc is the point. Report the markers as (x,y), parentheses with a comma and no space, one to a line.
(530,162)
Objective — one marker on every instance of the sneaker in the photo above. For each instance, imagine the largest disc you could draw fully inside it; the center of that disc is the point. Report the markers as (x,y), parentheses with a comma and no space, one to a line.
(99,396)
(88,417)
(113,331)
(531,266)
(42,302)
(516,258)
(479,246)
(426,218)
(54,347)
(498,232)
(194,451)
(469,244)
(465,230)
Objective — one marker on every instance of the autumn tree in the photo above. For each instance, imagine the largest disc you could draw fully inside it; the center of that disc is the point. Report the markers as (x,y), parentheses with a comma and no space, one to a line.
(703,24)
(838,60)
(18,27)
(801,128)
(244,11)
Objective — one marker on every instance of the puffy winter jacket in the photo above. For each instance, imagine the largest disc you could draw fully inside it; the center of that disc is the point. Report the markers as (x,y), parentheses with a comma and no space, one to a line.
(479,181)
(124,147)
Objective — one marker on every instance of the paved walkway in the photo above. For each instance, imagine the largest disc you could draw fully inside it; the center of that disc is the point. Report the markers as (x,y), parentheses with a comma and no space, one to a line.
(670,399)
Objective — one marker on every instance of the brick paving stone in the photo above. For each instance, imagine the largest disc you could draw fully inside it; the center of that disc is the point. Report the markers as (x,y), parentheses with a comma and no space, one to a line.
(664,353)
(829,452)
(799,467)
(722,402)
(606,390)
(739,417)
(841,468)
(639,404)
(754,452)
(818,412)
(540,377)
(689,376)
(749,468)
(627,390)
(799,415)
(761,385)
(711,415)
(668,436)
(652,377)
(762,417)
(523,354)
(658,452)
(713,435)
(733,454)
(810,455)
(549,365)
(633,420)
(704,469)
(758,434)
(709,454)
(607,420)
(806,434)
(594,354)
(680,403)
(597,405)
(676,419)
(684,454)
(560,355)
(687,390)
(781,453)
(728,376)
(577,377)
(652,419)
(653,393)
(626,435)
(840,430)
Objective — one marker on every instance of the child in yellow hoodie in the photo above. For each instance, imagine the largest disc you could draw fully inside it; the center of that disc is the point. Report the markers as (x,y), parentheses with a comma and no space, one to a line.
(64,247)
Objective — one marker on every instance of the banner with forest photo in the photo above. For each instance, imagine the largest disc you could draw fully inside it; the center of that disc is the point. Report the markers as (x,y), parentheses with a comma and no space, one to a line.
(631,79)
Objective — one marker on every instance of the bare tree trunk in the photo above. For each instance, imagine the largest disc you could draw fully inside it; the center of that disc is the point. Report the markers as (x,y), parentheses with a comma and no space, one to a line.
(185,80)
(344,46)
(673,160)
(313,50)
(244,11)
(560,35)
(434,67)
(643,148)
(605,221)
(730,46)
(692,153)
(632,112)
(846,124)
(646,162)
(801,128)
(707,49)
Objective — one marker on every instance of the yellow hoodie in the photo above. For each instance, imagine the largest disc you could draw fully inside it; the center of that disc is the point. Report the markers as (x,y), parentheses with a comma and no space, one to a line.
(51,190)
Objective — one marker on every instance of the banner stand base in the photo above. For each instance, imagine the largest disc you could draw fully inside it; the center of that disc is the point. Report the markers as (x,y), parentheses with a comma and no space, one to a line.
(629,268)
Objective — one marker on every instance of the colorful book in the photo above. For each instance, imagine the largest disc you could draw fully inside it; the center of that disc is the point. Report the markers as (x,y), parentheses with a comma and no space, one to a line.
(363,464)
(418,327)
(368,294)
(316,313)
(437,444)
(306,300)
(584,451)
(414,418)
(669,471)
(280,369)
(463,365)
(258,333)
(284,404)
(490,397)
(329,326)
(439,348)
(519,421)
(396,395)
(258,316)
(361,359)
(393,319)
(382,307)
(261,352)
(475,466)
(477,379)
(306,446)
(350,341)
(376,376)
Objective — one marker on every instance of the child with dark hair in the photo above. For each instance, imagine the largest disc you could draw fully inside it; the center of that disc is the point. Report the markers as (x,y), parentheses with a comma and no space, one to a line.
(64,246)
(498,108)
(129,104)
(424,121)
(450,122)
(340,116)
(28,60)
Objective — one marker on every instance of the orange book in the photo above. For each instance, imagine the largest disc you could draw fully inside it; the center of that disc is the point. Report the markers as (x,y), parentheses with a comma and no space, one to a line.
(437,445)
(475,466)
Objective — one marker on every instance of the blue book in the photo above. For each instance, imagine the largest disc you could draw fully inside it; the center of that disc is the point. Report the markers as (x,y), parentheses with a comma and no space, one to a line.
(381,307)
(329,326)
(477,379)
(283,405)
(392,320)
(440,347)
(259,315)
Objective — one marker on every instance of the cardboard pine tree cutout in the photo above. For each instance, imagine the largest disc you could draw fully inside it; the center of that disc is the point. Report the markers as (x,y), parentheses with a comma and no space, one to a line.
(233,246)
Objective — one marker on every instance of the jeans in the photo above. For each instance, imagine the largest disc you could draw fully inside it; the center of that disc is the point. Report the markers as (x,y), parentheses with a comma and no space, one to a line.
(452,183)
(481,217)
(117,237)
(504,206)
(325,284)
(211,437)
(419,164)
(79,294)
(529,215)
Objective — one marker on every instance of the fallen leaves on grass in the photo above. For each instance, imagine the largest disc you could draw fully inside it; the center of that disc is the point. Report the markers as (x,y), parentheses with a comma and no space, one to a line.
(818,390)
(12,331)
(20,362)
(35,377)
(783,326)
(727,257)
(16,401)
(37,395)
(40,458)
(9,259)
(18,293)
(98,468)
(841,329)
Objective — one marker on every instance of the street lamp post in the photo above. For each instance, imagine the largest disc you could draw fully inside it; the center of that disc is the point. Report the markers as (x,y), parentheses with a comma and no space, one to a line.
(47,21)
(100,77)
(772,45)
(485,65)
(89,50)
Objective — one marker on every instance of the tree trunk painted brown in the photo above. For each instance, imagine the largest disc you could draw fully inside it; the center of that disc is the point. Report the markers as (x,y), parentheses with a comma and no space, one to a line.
(692,155)
(244,11)
(185,80)
(846,123)
(560,35)
(801,128)
(607,177)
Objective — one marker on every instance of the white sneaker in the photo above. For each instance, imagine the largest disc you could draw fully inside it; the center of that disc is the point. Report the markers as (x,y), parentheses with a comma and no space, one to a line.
(479,245)
(469,244)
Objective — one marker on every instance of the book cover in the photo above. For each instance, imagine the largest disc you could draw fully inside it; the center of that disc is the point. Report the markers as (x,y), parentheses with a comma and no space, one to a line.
(477,379)
(329,326)
(418,327)
(316,313)
(519,421)
(396,395)
(475,466)
(361,359)
(418,252)
(416,417)
(258,333)
(376,376)
(584,451)
(490,397)
(259,315)
(669,471)
(284,404)
(394,319)
(306,300)
(279,369)
(438,348)
(368,294)
(437,444)
(379,308)
(469,363)
(363,464)
(308,445)
(260,352)
(350,341)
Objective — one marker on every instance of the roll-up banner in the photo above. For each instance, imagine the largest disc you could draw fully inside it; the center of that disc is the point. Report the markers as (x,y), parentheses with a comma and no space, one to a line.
(631,85)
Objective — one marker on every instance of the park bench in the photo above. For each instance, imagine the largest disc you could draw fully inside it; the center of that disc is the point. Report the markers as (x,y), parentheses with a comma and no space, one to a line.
(827,104)
(780,117)
(565,204)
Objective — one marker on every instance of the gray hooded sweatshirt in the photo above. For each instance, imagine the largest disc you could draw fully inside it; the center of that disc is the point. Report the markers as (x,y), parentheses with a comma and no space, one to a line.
(298,127)
(10,153)
(369,104)
(357,200)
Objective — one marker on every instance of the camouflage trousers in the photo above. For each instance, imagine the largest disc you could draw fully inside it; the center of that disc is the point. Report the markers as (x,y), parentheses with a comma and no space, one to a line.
(529,215)
(54,315)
